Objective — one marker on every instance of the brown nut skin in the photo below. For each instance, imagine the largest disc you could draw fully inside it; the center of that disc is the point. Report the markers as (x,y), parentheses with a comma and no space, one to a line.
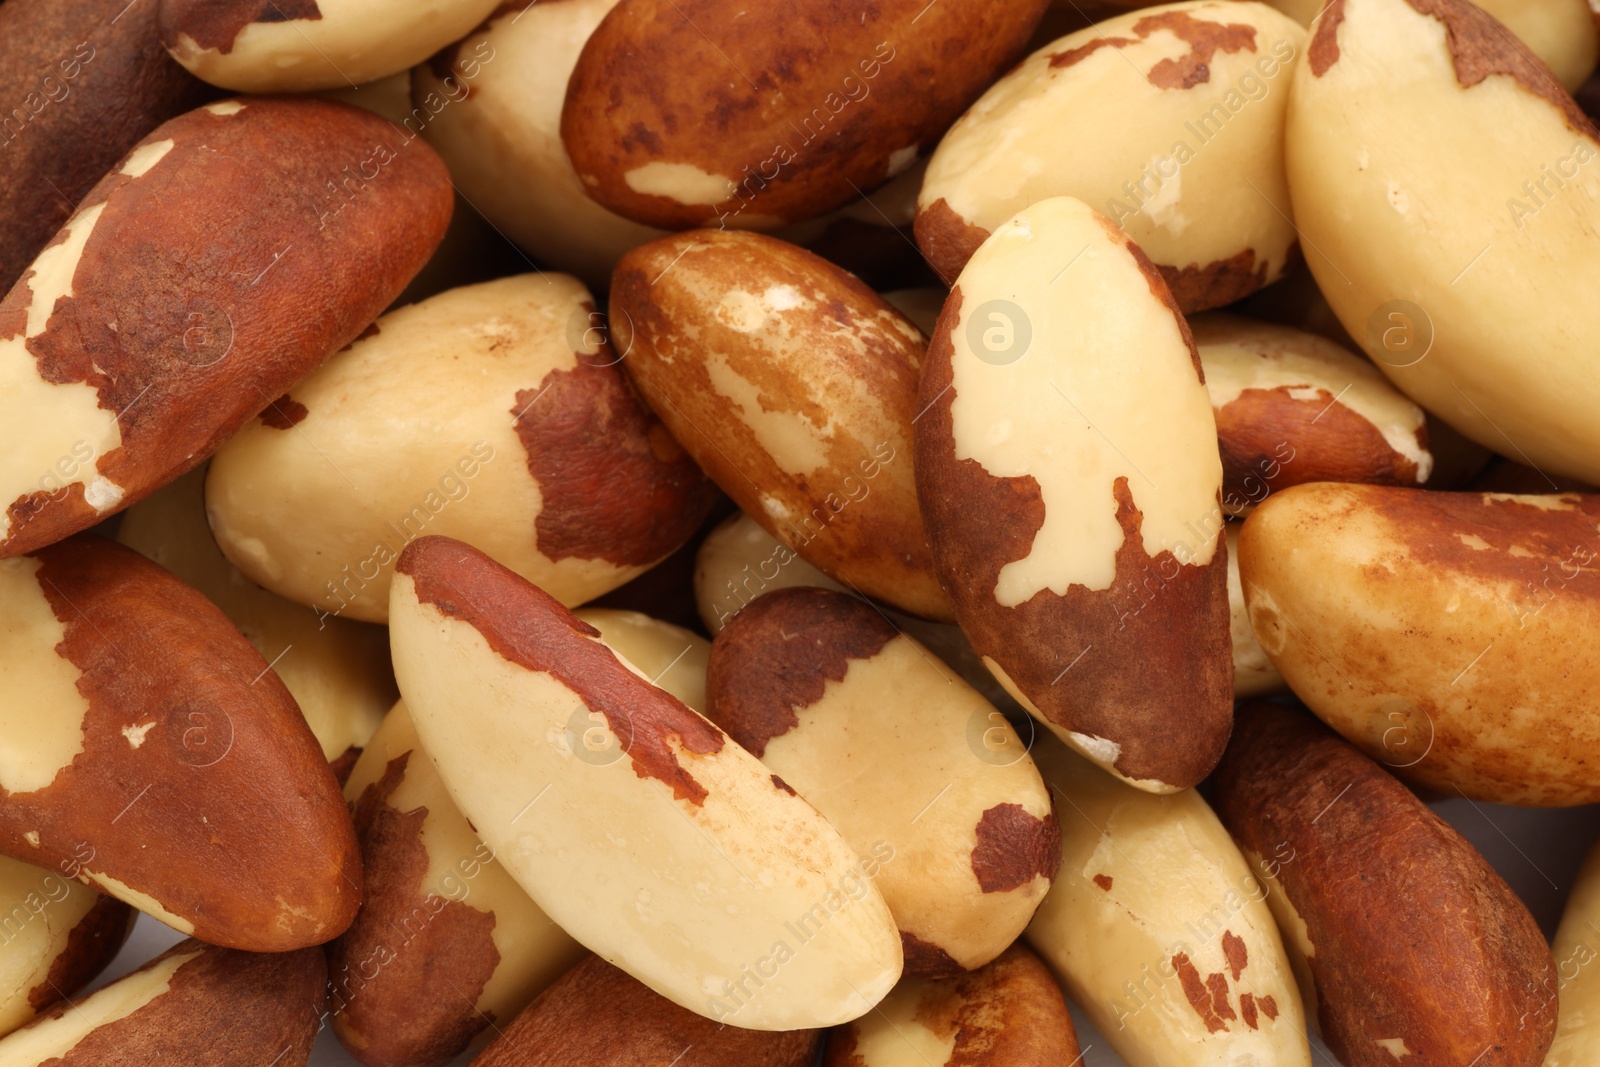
(843,98)
(90,79)
(223,819)
(1009,1013)
(798,405)
(328,212)
(1409,933)
(598,1016)
(194,1005)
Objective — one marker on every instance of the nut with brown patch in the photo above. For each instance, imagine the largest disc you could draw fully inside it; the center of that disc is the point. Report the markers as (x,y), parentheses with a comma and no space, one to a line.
(1378,898)
(861,720)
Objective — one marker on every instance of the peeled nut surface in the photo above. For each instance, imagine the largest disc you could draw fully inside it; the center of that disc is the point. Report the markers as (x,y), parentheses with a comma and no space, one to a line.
(493,412)
(1156,926)
(1405,941)
(634,823)
(1069,478)
(795,387)
(138,342)
(294,46)
(1167,120)
(1447,192)
(1446,635)
(148,750)
(1253,672)
(907,761)
(1577,987)
(672,658)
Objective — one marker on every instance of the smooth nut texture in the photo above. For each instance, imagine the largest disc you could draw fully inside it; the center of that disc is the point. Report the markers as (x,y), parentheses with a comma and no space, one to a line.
(446,943)
(681,859)
(1292,407)
(86,81)
(55,936)
(672,658)
(794,386)
(686,113)
(115,380)
(1157,928)
(1380,899)
(598,1016)
(193,1006)
(337,670)
(1074,512)
(907,761)
(294,46)
(1387,135)
(148,750)
(1009,1014)
(1576,992)
(1443,634)
(1169,121)
(1253,672)
(493,412)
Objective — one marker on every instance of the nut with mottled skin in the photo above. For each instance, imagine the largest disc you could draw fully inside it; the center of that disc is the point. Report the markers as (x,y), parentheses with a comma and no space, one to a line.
(681,859)
(138,341)
(1157,927)
(795,387)
(1446,635)
(1577,993)
(295,46)
(1389,131)
(672,658)
(1292,407)
(1068,472)
(195,1005)
(1008,1014)
(894,750)
(598,1016)
(492,412)
(1167,120)
(148,750)
(1406,941)
(834,100)
(55,936)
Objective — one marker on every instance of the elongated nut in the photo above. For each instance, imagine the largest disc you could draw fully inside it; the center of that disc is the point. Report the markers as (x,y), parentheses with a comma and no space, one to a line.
(1068,473)
(1378,898)
(1008,1014)
(682,860)
(1157,928)
(193,1006)
(55,936)
(903,757)
(1443,634)
(1577,990)
(1253,672)
(673,658)
(493,412)
(795,387)
(147,749)
(598,1016)
(138,341)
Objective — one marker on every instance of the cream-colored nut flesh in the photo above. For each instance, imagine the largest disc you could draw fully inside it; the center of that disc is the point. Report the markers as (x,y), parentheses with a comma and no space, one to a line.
(1160,930)
(1292,407)
(302,46)
(1577,955)
(672,658)
(433,424)
(1449,197)
(1446,635)
(336,669)
(740,561)
(633,822)
(501,135)
(1253,672)
(1168,120)
(34,747)
(39,912)
(57,1037)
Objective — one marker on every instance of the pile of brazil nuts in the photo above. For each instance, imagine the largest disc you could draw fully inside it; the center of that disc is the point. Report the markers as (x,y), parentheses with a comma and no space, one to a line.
(690,533)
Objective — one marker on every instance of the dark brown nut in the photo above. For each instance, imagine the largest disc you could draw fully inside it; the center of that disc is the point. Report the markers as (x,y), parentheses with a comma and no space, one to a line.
(195,1005)
(1408,947)
(688,113)
(153,753)
(140,340)
(1009,1014)
(599,1017)
(55,936)
(795,387)
(905,759)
